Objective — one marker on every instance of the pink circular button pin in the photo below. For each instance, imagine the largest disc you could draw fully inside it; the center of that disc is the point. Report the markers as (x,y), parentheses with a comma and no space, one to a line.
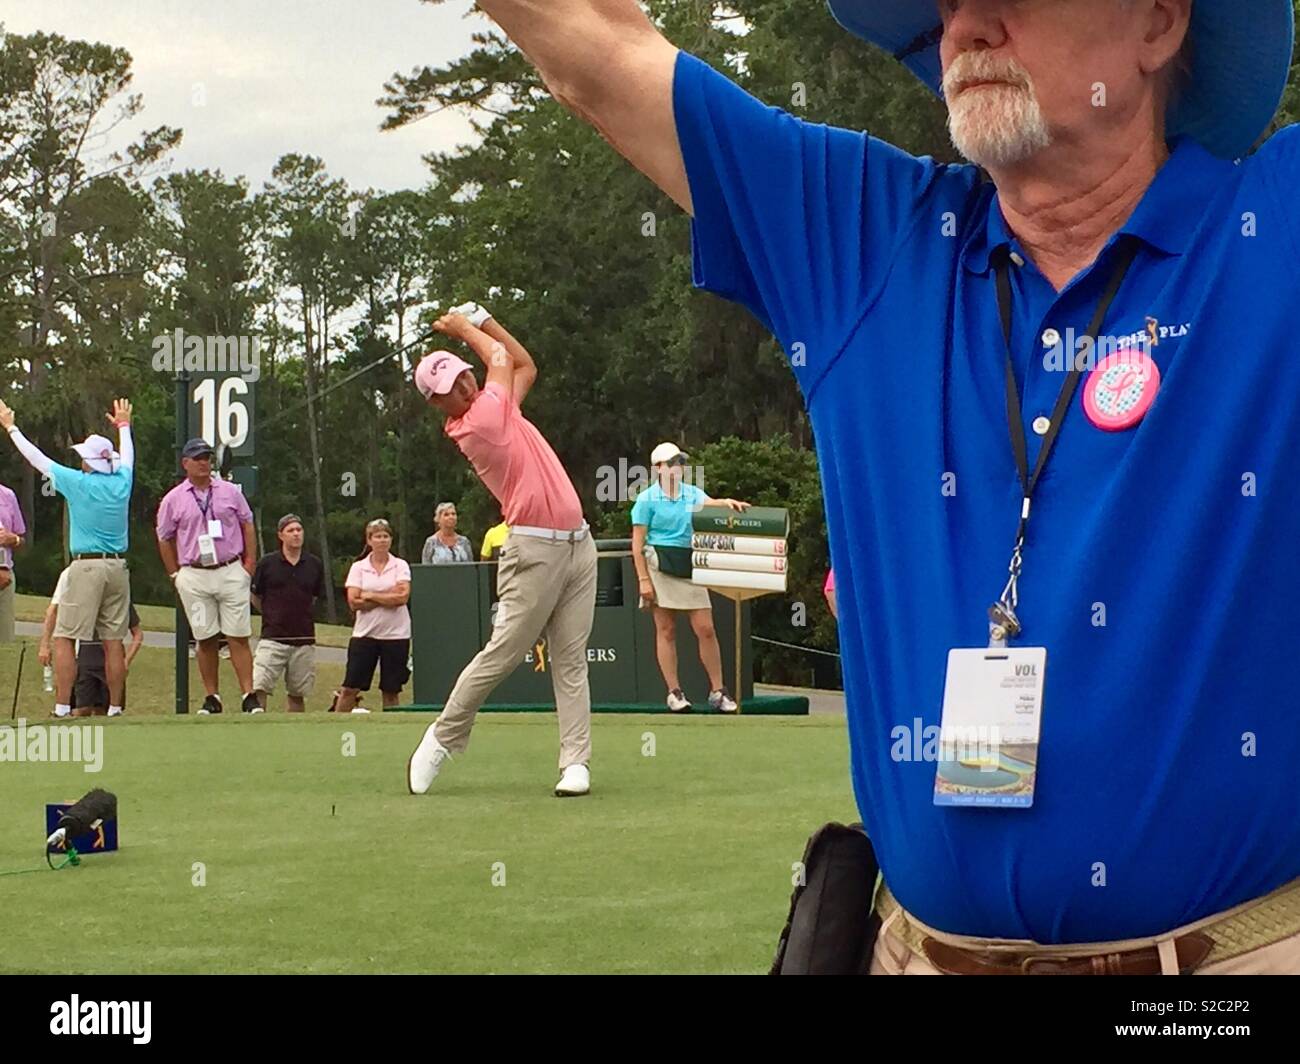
(1121,390)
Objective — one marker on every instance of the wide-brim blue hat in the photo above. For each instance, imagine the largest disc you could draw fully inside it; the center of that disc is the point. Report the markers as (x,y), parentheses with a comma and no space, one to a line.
(1241,56)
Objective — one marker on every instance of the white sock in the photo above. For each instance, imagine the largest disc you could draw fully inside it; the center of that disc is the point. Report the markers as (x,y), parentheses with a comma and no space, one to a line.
(62,709)
(114,711)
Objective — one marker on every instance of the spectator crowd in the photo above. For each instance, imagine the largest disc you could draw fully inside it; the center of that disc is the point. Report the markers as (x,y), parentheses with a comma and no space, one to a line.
(208,544)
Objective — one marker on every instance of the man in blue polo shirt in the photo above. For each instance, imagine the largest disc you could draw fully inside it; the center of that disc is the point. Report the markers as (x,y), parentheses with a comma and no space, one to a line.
(1058,424)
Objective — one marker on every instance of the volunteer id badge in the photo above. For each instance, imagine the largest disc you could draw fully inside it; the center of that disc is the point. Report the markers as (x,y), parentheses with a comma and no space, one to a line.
(988,742)
(214,528)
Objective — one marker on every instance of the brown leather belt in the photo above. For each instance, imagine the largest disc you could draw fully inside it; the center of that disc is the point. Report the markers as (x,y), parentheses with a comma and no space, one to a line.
(97,557)
(1191,950)
(219,565)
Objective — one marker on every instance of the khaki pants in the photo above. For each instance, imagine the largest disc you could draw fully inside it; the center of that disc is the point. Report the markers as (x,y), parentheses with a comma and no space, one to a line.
(893,956)
(543,585)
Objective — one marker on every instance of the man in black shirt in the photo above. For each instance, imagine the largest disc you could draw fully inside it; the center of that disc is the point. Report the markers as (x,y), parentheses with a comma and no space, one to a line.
(285,587)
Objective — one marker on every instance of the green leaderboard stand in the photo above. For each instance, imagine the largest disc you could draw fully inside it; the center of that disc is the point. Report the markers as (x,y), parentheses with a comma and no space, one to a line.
(451,612)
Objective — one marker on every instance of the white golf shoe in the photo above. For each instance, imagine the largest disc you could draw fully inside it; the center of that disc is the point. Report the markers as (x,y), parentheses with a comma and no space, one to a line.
(722,701)
(575,781)
(422,768)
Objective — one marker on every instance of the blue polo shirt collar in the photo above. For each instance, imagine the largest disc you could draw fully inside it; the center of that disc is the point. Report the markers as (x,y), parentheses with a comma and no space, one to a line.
(1161,219)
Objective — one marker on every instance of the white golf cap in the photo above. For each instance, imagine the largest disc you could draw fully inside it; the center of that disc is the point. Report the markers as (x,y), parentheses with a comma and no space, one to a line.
(666,452)
(99,454)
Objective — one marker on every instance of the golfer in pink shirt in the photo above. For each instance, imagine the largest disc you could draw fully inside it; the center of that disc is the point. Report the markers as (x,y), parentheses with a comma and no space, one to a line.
(547,575)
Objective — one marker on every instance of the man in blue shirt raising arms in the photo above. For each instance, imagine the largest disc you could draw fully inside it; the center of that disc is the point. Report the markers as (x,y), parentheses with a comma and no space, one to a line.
(98,594)
(1058,424)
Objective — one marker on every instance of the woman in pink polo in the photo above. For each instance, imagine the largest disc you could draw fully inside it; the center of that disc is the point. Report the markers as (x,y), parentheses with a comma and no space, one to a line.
(378,587)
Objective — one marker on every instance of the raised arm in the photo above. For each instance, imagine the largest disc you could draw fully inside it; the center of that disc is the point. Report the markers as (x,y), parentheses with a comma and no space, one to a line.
(524,373)
(494,354)
(606,62)
(120,419)
(34,455)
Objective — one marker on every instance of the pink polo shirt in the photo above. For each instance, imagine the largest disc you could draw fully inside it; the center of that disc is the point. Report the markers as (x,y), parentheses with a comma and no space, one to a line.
(515,463)
(184,513)
(383,622)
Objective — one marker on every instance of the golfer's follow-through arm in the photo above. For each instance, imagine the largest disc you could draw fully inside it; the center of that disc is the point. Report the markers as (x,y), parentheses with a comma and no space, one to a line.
(606,62)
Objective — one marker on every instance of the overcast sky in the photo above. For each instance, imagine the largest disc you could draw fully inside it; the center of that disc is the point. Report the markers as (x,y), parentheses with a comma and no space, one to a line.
(275,76)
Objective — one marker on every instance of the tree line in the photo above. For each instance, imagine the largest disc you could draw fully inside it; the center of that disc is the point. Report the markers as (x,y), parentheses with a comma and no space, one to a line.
(103,251)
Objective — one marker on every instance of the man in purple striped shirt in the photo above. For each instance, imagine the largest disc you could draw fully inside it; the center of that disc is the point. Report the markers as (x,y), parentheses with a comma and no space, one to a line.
(208,547)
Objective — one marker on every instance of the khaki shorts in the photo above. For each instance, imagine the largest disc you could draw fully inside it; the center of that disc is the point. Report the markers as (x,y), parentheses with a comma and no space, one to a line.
(97,599)
(7,611)
(297,664)
(675,592)
(216,601)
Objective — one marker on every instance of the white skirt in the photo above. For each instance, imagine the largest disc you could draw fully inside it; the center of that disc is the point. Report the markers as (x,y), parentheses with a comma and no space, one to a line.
(675,592)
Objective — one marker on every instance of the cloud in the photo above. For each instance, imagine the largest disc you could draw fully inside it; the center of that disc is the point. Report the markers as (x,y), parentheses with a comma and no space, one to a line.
(251,80)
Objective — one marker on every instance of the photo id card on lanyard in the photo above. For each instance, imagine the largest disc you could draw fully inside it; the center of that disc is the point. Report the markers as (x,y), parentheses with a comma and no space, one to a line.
(993,696)
(988,742)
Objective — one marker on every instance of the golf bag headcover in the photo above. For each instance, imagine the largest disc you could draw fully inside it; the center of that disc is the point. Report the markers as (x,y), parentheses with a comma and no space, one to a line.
(94,805)
(831,929)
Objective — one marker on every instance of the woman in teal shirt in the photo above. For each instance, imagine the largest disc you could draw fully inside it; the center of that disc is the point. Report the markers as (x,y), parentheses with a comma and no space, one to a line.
(661,541)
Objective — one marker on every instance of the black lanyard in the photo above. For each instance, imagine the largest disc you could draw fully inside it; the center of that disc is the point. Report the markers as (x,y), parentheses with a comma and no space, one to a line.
(1002,613)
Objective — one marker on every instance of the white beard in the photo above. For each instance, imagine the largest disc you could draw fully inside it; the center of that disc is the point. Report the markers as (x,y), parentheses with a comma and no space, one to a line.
(997,126)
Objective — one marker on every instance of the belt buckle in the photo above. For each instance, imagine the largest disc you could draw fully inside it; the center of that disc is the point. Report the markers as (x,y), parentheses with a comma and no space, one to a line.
(1027,963)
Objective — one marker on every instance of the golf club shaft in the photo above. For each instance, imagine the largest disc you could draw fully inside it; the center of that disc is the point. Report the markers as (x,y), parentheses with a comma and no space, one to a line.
(22,653)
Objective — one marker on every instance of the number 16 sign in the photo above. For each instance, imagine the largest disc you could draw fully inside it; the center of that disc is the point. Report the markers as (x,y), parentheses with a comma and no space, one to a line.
(221,409)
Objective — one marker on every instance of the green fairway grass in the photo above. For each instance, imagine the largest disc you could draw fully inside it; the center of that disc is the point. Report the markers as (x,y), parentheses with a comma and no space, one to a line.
(319,862)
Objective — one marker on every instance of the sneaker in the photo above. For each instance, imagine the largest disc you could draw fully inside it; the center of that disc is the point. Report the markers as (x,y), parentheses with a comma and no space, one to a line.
(575,781)
(66,713)
(678,702)
(223,652)
(423,766)
(360,709)
(114,711)
(211,704)
(722,702)
(252,705)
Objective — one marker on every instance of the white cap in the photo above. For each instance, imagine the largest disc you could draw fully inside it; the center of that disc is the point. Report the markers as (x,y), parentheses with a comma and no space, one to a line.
(666,452)
(99,454)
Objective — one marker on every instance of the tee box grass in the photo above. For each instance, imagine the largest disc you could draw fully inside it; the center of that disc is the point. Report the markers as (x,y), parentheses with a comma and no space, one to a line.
(286,844)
